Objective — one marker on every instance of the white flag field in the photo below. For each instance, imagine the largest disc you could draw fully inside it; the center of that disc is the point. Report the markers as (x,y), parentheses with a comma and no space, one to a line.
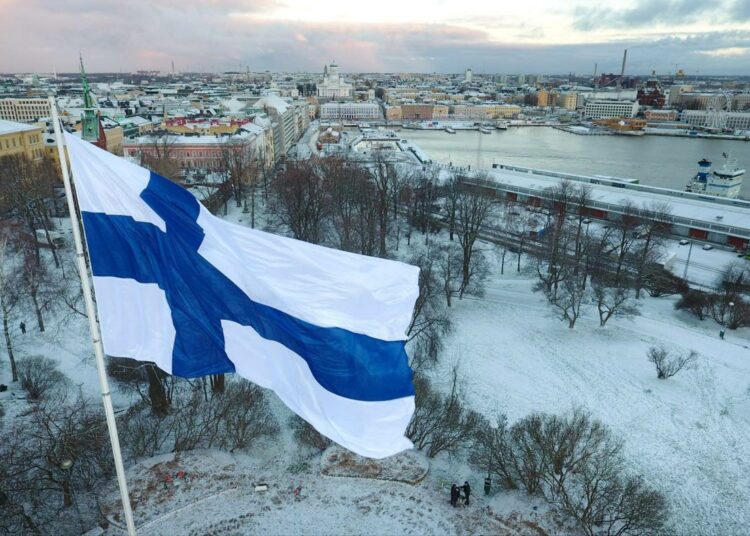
(197,295)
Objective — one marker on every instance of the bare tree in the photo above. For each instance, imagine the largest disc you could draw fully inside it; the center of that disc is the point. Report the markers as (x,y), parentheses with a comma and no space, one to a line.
(158,155)
(302,198)
(39,375)
(613,298)
(10,297)
(429,322)
(449,261)
(27,191)
(653,233)
(474,208)
(729,306)
(385,179)
(441,423)
(667,363)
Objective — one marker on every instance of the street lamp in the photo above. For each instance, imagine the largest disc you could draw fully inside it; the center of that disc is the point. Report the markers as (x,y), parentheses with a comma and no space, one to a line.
(687,263)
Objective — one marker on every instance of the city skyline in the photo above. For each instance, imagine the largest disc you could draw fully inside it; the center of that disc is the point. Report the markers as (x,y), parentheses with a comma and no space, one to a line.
(215,35)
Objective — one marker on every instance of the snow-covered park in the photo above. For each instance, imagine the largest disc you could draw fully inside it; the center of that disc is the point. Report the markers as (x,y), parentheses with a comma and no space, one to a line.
(689,435)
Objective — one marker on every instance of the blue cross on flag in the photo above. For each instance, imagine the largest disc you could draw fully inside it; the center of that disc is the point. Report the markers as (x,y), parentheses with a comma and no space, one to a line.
(197,295)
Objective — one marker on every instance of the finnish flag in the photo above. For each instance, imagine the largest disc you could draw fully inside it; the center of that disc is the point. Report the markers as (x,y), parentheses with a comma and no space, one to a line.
(324,329)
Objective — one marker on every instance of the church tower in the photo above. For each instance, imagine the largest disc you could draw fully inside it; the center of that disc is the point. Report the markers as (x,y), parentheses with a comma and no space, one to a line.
(91,129)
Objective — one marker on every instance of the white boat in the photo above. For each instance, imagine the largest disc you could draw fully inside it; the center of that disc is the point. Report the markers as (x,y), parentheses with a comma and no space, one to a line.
(450,130)
(724,182)
(502,125)
(485,130)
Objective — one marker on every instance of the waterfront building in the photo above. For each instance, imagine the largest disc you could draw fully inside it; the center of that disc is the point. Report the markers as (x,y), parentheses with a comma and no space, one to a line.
(21,139)
(730,120)
(393,113)
(440,111)
(741,102)
(568,100)
(604,109)
(350,111)
(675,94)
(417,112)
(333,86)
(542,98)
(24,110)
(660,115)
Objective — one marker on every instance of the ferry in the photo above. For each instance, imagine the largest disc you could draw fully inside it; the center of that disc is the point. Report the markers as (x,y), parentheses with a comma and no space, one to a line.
(450,130)
(485,130)
(724,182)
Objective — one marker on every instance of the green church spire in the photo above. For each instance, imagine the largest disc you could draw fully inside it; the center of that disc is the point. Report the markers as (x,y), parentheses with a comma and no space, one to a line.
(89,118)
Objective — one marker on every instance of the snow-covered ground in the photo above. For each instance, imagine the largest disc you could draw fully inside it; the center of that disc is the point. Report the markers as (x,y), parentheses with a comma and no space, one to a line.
(688,435)
(219,497)
(705,266)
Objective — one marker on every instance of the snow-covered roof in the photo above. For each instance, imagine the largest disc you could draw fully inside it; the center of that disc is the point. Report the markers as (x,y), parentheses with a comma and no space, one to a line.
(274,101)
(10,127)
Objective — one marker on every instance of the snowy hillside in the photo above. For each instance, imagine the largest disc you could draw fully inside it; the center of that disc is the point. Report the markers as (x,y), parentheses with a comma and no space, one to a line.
(688,435)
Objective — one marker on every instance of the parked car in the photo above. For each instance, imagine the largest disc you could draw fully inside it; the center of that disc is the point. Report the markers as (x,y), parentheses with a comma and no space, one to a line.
(707,247)
(684,242)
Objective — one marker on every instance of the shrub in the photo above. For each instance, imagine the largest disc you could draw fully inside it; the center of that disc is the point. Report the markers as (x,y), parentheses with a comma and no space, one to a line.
(39,375)
(441,423)
(695,302)
(307,435)
(668,364)
(575,463)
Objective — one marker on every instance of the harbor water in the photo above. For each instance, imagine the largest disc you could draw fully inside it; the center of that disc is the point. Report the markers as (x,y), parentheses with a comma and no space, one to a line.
(664,161)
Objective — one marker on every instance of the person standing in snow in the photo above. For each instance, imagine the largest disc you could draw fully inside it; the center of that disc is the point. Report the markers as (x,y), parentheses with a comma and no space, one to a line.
(454,495)
(467,492)
(23,328)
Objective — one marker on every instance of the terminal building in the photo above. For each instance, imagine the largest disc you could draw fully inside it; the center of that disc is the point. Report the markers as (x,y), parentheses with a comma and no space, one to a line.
(694,216)
(604,109)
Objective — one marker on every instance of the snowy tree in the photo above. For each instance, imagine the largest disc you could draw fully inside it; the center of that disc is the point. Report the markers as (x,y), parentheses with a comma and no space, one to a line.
(474,209)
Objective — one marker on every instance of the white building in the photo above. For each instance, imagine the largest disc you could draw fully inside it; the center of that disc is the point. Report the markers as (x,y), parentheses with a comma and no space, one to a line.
(467,76)
(24,110)
(333,86)
(703,118)
(350,111)
(604,109)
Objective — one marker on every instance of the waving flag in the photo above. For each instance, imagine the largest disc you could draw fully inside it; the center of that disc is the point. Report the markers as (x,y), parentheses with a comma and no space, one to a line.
(324,329)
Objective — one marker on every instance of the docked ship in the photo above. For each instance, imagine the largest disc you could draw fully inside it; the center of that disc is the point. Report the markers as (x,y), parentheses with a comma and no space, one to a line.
(485,130)
(723,182)
(450,130)
(502,125)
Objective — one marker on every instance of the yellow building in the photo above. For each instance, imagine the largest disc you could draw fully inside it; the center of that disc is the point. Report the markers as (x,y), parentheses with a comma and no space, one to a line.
(21,139)
(542,98)
(568,100)
(24,110)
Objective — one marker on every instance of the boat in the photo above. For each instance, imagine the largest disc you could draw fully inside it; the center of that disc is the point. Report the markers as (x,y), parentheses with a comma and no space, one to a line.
(450,130)
(723,182)
(485,130)
(502,125)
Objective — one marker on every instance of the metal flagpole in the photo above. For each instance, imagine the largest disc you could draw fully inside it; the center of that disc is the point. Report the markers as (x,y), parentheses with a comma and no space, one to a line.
(93,326)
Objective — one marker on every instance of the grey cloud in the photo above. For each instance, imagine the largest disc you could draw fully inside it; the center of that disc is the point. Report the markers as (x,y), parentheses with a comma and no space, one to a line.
(650,12)
(741,10)
(43,35)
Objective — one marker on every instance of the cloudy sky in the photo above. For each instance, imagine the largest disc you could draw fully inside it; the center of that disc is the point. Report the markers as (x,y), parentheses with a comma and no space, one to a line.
(496,36)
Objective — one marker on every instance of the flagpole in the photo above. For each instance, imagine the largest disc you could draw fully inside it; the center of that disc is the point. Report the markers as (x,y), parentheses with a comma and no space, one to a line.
(93,325)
